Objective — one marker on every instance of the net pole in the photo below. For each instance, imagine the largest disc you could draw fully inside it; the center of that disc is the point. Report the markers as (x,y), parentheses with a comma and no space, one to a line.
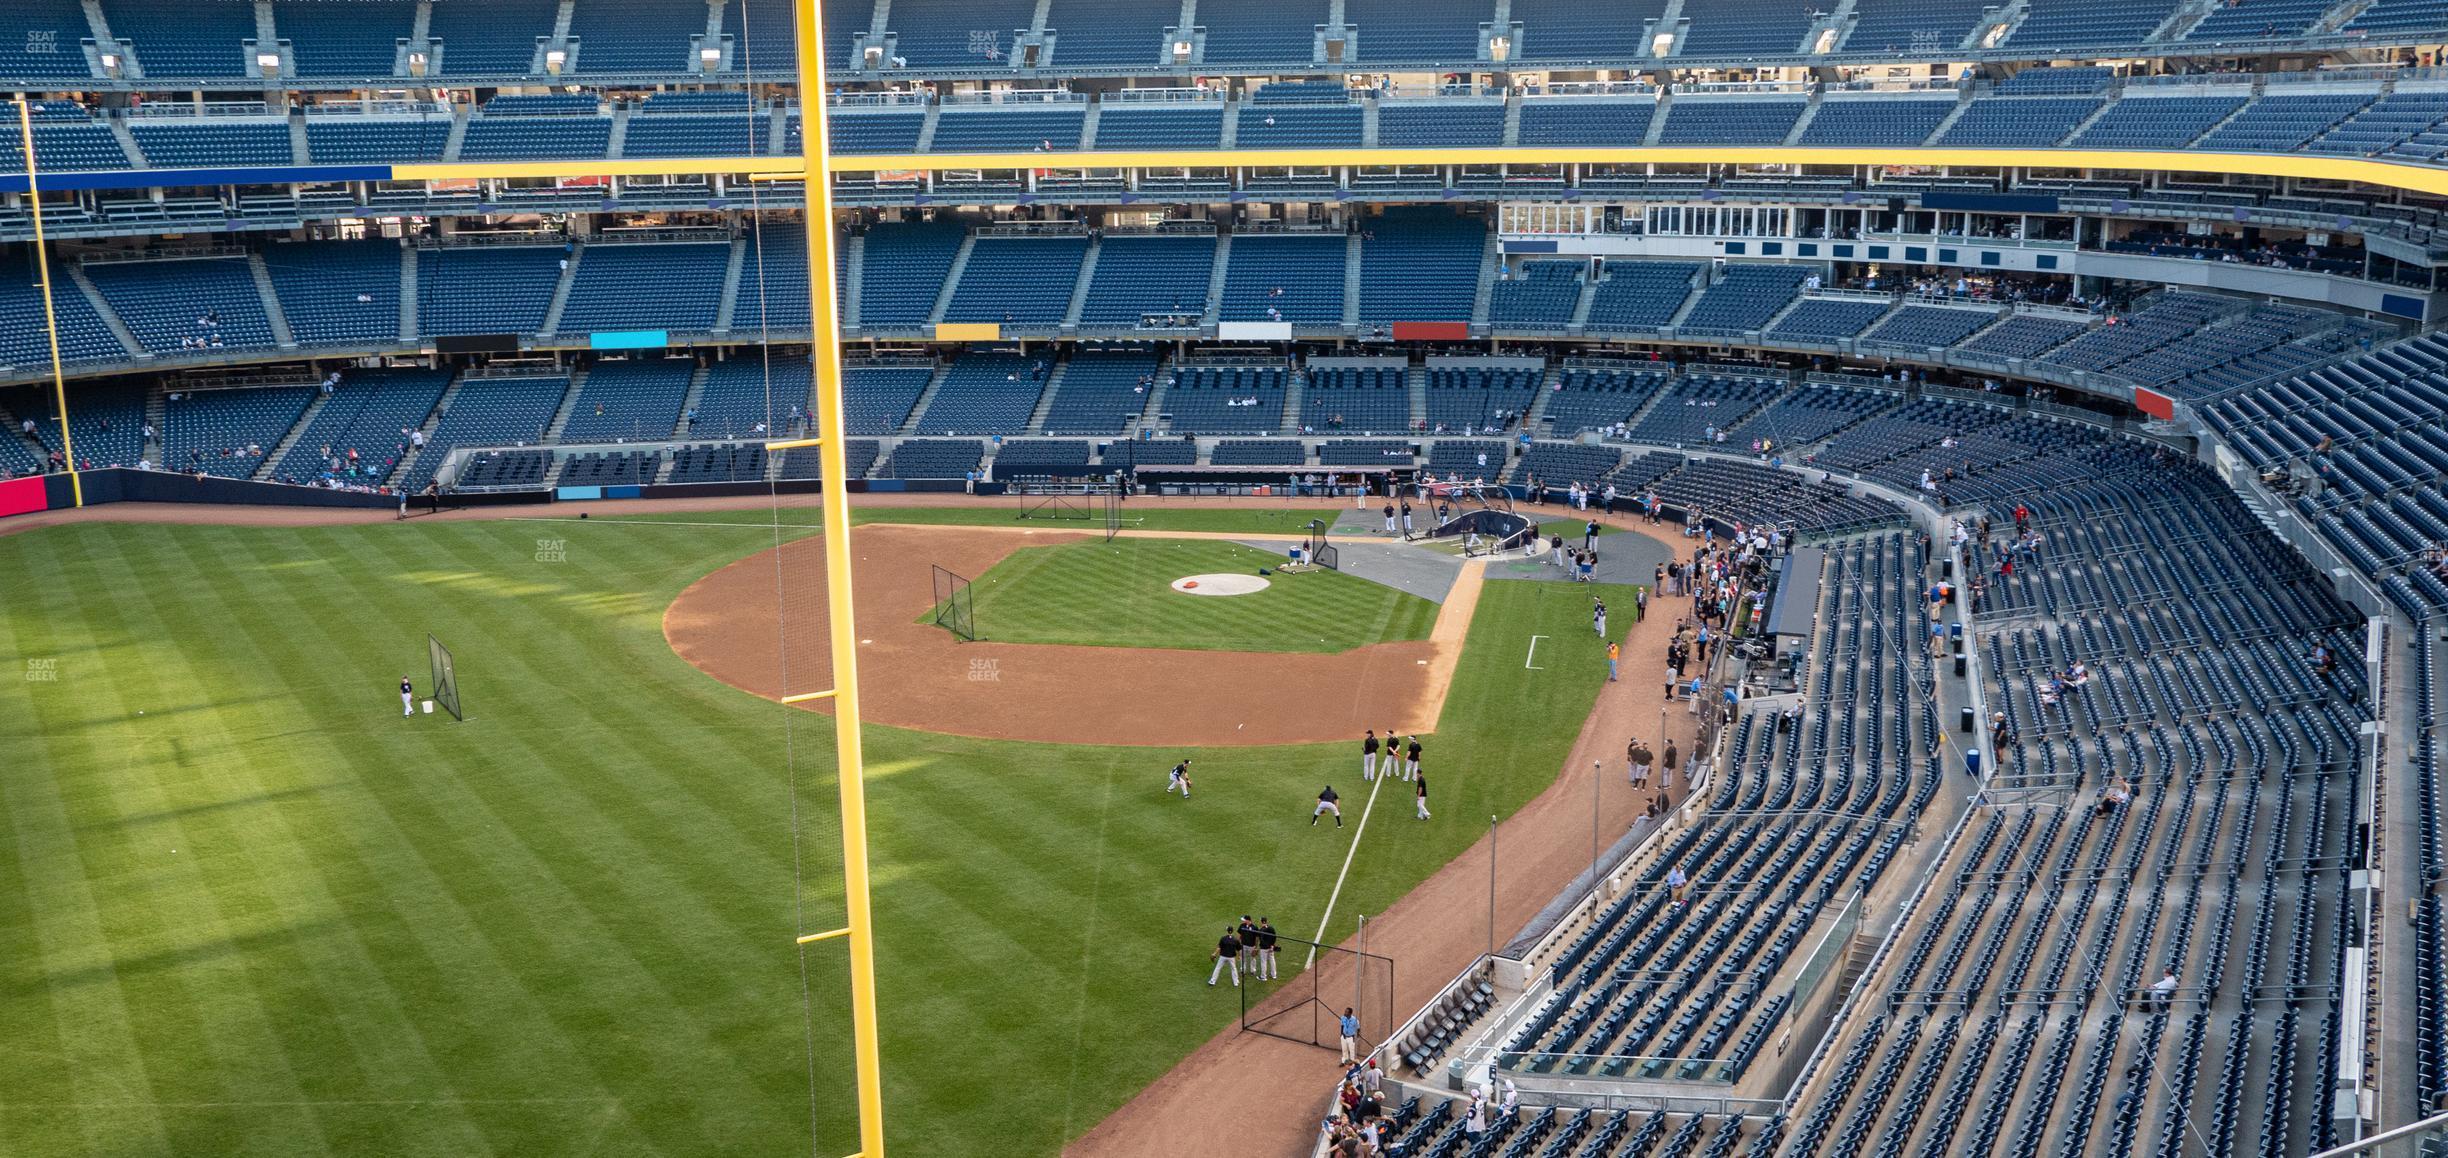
(42,263)
(832,471)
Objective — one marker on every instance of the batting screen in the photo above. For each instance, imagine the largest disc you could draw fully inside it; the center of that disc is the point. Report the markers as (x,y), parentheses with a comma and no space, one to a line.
(952,608)
(1308,1005)
(445,678)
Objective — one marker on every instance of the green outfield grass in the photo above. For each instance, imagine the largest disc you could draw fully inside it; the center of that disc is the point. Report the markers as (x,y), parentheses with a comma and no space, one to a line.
(1120,594)
(253,911)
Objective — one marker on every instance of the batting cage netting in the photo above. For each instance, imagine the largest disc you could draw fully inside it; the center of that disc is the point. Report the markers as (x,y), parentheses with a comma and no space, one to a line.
(953,610)
(445,678)
(1307,1004)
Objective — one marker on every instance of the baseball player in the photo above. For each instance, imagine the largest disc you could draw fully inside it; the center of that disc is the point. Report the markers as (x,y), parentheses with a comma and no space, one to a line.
(1180,779)
(1419,793)
(1368,757)
(1389,517)
(1411,765)
(1598,616)
(1641,756)
(1266,949)
(1406,518)
(1326,803)
(1666,770)
(407,697)
(1248,932)
(1227,957)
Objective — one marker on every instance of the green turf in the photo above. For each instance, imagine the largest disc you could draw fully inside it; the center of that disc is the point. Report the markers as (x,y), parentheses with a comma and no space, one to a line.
(267,916)
(1120,594)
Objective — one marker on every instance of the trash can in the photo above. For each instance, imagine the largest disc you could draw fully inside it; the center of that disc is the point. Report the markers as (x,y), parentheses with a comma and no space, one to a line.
(1963,722)
(1959,665)
(1972,763)
(1946,567)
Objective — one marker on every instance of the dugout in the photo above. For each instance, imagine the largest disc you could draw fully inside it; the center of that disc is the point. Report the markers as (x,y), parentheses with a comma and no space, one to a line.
(1272,479)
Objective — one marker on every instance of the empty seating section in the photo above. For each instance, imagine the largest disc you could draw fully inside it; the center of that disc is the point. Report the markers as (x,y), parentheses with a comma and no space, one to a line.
(1540,296)
(1292,277)
(485,290)
(764,33)
(1696,406)
(1024,281)
(83,145)
(1226,399)
(2089,78)
(1557,464)
(985,393)
(773,289)
(1288,126)
(498,470)
(208,302)
(1574,121)
(2258,20)
(375,140)
(1701,121)
(890,131)
(807,461)
(493,136)
(1811,414)
(365,414)
(200,38)
(1640,295)
(1008,130)
(487,412)
(1561,30)
(1743,299)
(2024,336)
(1261,33)
(1417,31)
(1101,391)
(2385,123)
(718,462)
(668,135)
(631,401)
(1916,26)
(1420,266)
(875,399)
(212,430)
(25,339)
(2169,317)
(1356,400)
(344,38)
(1445,124)
(1109,33)
(490,37)
(1480,398)
(1746,28)
(904,270)
(934,458)
(108,421)
(2280,124)
(1875,122)
(1365,452)
(190,144)
(675,287)
(2073,22)
(1593,398)
(337,291)
(742,392)
(958,34)
(2017,122)
(1159,126)
(1138,276)
(1257,452)
(1828,319)
(2398,16)
(635,36)
(1042,457)
(2156,122)
(52,34)
(1932,327)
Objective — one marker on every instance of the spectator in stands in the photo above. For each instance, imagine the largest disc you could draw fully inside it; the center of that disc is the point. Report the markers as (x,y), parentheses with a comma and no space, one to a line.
(2163,991)
(1675,883)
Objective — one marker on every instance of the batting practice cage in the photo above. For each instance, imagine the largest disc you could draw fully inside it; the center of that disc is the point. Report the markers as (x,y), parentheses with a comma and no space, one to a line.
(1306,1005)
(953,610)
(1317,550)
(445,678)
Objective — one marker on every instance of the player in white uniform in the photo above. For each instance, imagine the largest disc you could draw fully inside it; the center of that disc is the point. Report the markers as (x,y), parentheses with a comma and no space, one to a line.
(407,697)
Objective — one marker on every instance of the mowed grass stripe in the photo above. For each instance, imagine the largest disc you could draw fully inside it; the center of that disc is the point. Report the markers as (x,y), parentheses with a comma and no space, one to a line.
(97,1059)
(1120,594)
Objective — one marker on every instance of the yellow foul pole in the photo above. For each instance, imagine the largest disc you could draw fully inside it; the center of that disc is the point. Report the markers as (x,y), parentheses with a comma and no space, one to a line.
(42,264)
(859,933)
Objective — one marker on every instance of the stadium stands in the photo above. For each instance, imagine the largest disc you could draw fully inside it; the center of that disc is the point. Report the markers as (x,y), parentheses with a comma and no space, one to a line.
(1023,281)
(356,433)
(345,38)
(1578,121)
(225,433)
(490,37)
(985,393)
(1226,399)
(204,38)
(1744,298)
(1141,275)
(1374,399)
(485,290)
(1292,277)
(635,36)
(1640,295)
(486,412)
(904,270)
(1420,266)
(1875,122)
(1101,391)
(1542,296)
(2017,123)
(201,303)
(374,140)
(182,143)
(337,291)
(628,401)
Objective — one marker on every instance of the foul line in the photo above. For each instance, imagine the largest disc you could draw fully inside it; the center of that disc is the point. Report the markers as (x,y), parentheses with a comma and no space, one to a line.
(1533,654)
(1365,809)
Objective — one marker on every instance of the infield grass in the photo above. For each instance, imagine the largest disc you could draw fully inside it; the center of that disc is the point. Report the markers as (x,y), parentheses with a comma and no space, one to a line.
(1120,594)
(250,910)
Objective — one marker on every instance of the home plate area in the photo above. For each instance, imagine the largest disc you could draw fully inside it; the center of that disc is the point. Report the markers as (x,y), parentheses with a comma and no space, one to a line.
(1223,584)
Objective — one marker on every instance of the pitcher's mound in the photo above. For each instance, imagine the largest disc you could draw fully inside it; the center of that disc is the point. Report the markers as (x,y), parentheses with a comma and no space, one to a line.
(1220,585)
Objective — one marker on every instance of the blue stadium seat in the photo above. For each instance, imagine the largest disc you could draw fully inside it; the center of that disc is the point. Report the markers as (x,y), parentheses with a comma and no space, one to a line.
(163,302)
(636,400)
(1023,281)
(1141,275)
(888,131)
(375,140)
(485,290)
(366,415)
(2140,122)
(344,38)
(1542,296)
(1417,32)
(676,287)
(1260,34)
(635,36)
(1440,124)
(2283,122)
(1744,298)
(1100,390)
(904,269)
(1296,275)
(1745,28)
(1875,122)
(1639,295)
(184,143)
(490,37)
(1420,266)
(1583,121)
(52,33)
(2020,122)
(1301,126)
(1010,129)
(320,284)
(1702,121)
(959,34)
(1568,30)
(179,38)
(211,430)
(985,393)
(1116,34)
(1154,125)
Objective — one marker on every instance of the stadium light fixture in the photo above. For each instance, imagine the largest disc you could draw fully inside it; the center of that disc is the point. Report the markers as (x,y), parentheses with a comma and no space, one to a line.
(1181,51)
(709,59)
(268,63)
(110,65)
(554,60)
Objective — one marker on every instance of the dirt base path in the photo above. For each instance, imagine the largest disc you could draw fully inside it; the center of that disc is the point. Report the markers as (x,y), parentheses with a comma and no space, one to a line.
(1245,1095)
(916,675)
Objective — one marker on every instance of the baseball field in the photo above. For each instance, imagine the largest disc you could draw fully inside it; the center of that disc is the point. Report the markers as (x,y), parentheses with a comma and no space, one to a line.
(253,910)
